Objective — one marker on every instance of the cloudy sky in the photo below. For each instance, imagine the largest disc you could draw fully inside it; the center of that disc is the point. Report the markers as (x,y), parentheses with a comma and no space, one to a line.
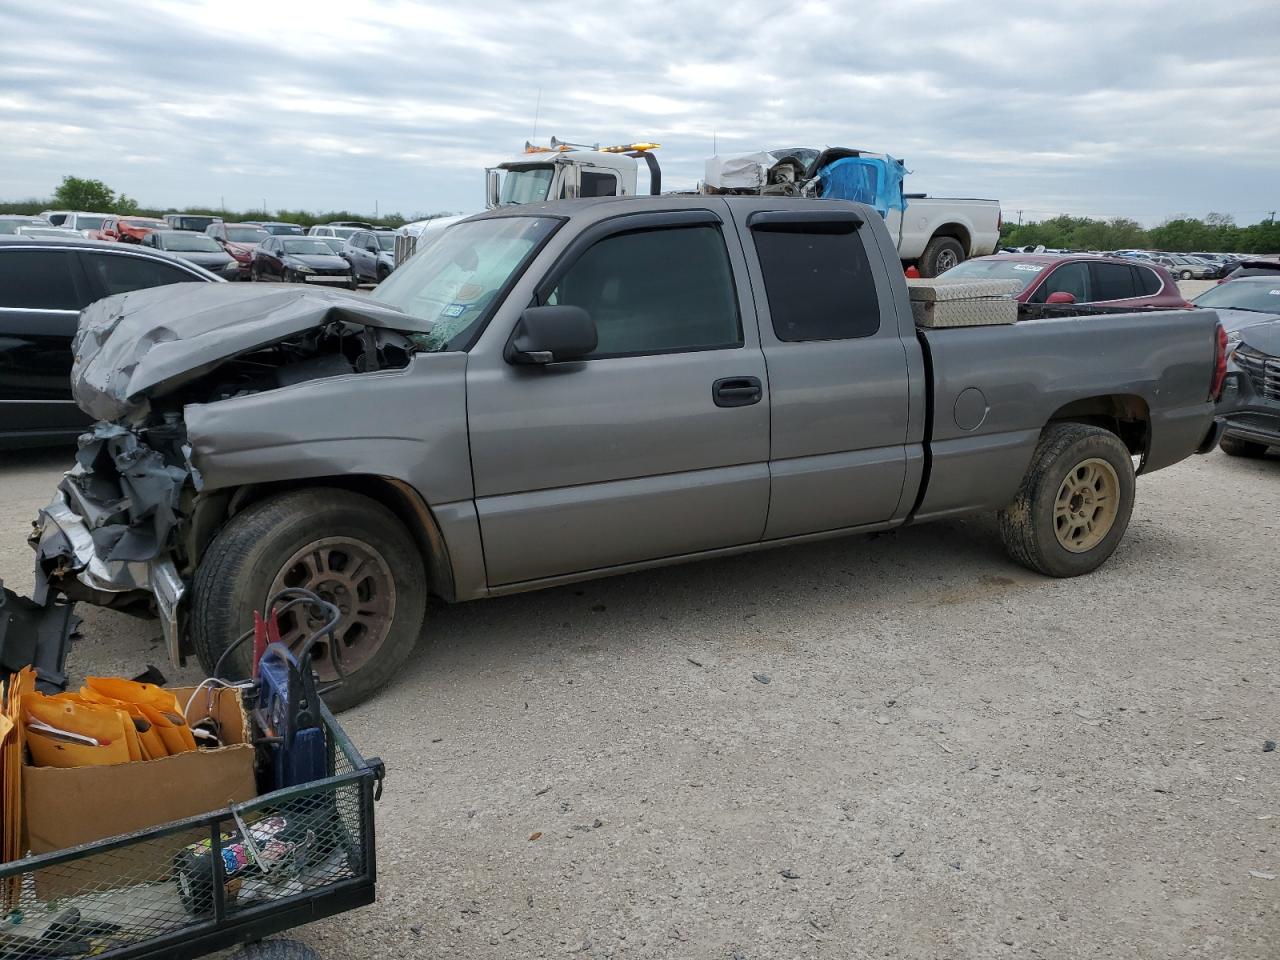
(1140,109)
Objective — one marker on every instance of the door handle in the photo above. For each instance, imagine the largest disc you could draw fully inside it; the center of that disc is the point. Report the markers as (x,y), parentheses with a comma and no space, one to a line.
(737,391)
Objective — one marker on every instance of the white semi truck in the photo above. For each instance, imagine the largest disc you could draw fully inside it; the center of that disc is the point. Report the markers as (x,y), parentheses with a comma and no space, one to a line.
(932,234)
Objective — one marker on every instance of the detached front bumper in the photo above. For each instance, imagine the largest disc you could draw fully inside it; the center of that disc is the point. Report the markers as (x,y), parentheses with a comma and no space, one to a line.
(104,537)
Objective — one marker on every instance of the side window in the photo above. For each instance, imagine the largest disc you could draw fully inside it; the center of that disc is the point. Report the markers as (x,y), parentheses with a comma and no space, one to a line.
(120,274)
(40,280)
(1147,281)
(819,282)
(1072,278)
(598,184)
(1112,281)
(656,291)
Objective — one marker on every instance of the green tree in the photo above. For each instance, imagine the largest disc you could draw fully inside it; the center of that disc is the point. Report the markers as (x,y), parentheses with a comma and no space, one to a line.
(75,193)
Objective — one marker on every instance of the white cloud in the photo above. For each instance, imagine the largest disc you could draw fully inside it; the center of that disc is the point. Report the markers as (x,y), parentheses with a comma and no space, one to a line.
(1139,109)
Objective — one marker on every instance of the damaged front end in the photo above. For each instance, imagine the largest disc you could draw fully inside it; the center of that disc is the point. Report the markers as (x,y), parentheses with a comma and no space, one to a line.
(107,535)
(117,531)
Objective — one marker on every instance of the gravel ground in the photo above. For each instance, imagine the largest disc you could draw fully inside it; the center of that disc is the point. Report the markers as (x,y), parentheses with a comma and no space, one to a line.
(896,747)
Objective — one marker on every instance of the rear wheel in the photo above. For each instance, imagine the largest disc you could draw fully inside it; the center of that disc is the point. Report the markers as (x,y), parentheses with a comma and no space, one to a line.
(940,255)
(1074,503)
(347,548)
(383,273)
(1185,275)
(1237,447)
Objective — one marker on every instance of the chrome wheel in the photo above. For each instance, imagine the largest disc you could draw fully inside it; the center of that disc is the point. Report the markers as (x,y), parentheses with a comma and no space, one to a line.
(353,576)
(1086,506)
(946,260)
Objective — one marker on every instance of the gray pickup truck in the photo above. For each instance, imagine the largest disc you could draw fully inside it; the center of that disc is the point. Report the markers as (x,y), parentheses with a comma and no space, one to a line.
(560,391)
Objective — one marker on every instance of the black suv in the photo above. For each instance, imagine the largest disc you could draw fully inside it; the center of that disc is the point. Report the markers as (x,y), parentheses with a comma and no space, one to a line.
(44,284)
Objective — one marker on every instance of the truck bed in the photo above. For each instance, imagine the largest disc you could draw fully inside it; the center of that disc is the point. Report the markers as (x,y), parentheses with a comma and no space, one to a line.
(1013,379)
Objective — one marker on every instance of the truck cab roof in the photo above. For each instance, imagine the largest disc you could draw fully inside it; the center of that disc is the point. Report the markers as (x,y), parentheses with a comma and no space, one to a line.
(595,158)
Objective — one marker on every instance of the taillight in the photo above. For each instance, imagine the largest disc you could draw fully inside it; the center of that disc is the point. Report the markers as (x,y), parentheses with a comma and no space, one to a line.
(1219,364)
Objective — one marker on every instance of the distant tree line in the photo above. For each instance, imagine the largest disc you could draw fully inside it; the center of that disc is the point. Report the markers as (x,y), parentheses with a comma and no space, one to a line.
(75,193)
(1216,233)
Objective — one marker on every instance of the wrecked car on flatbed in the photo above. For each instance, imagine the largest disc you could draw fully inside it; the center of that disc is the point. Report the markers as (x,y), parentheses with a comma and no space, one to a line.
(560,391)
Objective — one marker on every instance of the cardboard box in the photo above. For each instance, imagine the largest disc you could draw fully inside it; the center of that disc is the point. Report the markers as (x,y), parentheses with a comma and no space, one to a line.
(65,807)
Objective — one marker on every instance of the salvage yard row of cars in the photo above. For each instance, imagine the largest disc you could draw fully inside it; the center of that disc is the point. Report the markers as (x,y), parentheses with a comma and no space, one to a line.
(343,253)
(1184,266)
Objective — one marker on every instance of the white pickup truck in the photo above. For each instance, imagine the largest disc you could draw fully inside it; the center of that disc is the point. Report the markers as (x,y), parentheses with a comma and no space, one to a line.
(932,234)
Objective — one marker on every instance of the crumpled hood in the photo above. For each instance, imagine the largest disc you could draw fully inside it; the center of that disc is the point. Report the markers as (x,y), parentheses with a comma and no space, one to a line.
(151,341)
(1263,337)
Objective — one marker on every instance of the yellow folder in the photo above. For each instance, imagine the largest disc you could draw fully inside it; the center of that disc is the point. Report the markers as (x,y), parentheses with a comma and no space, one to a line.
(65,732)
(158,705)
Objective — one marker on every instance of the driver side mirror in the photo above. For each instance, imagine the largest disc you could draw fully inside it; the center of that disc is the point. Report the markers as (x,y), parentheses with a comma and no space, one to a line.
(552,334)
(1061,296)
(493,188)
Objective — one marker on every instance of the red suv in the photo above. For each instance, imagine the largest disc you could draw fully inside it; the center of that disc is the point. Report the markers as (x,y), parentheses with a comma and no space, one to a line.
(1078,278)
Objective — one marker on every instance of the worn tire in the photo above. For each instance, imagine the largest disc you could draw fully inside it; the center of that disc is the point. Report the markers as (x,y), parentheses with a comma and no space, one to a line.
(1027,525)
(275,950)
(940,247)
(1239,447)
(237,570)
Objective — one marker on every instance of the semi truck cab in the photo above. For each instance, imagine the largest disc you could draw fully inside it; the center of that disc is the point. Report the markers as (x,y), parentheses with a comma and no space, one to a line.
(567,171)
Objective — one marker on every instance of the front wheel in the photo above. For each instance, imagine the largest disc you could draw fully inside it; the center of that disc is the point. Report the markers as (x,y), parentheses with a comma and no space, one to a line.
(1074,503)
(1237,447)
(1185,275)
(940,255)
(348,549)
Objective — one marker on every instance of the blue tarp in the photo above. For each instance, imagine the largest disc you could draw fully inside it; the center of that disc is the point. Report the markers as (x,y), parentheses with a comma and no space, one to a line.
(870,180)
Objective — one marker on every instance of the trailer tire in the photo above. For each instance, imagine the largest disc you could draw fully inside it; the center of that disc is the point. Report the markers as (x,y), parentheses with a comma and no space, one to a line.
(275,950)
(1074,503)
(941,254)
(340,544)
(1239,447)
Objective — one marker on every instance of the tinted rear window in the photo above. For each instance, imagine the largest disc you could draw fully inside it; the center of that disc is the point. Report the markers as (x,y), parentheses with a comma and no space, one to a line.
(819,282)
(39,280)
(122,273)
(1147,281)
(1112,281)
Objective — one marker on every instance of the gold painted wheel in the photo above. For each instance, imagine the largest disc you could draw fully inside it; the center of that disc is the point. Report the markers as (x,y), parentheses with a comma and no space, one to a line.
(1086,506)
